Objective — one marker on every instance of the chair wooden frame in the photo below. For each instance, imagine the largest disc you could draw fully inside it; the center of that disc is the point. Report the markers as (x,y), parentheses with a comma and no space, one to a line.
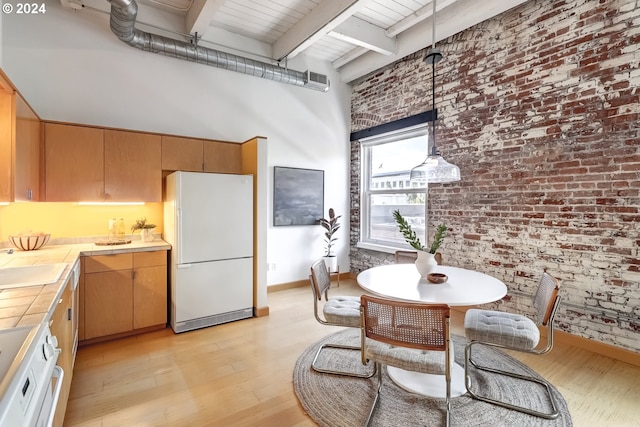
(418,326)
(409,257)
(546,302)
(320,284)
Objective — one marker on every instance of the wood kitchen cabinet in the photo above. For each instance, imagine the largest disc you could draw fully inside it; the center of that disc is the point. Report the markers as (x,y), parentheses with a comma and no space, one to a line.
(20,149)
(124,293)
(62,329)
(222,157)
(149,289)
(28,149)
(132,166)
(6,142)
(74,163)
(108,303)
(181,154)
(196,155)
(81,302)
(84,163)
(92,164)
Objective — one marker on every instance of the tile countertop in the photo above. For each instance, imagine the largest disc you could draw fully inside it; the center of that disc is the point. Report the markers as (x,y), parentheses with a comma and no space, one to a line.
(31,305)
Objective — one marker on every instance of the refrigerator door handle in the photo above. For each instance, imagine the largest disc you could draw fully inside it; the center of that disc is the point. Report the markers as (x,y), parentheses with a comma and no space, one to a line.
(178,232)
(184,266)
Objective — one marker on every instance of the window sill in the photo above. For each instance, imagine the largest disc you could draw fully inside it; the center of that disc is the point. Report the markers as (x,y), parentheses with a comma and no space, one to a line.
(378,248)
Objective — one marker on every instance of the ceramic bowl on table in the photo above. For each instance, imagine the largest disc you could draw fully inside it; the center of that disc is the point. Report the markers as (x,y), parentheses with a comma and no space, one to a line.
(29,242)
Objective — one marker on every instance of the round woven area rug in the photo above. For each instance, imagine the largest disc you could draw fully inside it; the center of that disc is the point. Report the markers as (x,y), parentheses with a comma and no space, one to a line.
(339,401)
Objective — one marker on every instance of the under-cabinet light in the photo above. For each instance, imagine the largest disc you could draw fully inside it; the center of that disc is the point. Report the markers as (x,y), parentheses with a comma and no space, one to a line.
(110,203)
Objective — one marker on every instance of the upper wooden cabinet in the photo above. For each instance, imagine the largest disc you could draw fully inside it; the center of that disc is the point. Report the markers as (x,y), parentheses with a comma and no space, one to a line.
(7,115)
(93,164)
(222,157)
(28,149)
(197,155)
(132,166)
(74,163)
(20,149)
(181,154)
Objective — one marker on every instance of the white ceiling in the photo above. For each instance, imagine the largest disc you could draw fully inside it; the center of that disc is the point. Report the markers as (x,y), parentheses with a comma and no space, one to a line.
(355,36)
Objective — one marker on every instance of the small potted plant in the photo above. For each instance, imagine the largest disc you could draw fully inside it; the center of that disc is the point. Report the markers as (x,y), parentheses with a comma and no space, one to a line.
(146,229)
(426,261)
(331,226)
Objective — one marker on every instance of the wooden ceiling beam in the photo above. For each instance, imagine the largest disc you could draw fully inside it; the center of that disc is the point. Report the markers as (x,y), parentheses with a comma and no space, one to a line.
(361,33)
(315,25)
(201,14)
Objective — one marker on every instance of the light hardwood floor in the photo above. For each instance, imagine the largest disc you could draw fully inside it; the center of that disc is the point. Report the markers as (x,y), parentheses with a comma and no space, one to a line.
(240,374)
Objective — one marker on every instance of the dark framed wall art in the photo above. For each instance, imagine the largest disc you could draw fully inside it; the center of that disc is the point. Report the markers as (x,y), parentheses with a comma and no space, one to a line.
(298,196)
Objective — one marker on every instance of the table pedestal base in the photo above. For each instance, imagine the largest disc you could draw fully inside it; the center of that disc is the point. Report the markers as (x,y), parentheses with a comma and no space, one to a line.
(429,384)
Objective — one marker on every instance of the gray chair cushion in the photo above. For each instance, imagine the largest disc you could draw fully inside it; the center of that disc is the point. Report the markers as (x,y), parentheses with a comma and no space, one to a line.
(501,328)
(343,310)
(424,361)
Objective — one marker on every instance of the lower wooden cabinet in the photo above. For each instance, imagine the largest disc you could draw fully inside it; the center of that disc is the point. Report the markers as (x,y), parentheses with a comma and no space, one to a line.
(149,289)
(108,303)
(123,293)
(62,328)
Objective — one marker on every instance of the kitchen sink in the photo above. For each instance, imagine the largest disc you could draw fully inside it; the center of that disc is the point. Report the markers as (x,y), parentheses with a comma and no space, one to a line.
(31,275)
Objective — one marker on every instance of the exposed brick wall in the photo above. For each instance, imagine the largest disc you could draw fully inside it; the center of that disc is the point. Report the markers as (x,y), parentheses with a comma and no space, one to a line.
(540,110)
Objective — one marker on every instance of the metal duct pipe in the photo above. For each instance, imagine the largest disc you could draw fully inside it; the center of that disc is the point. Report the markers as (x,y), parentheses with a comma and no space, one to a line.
(123,19)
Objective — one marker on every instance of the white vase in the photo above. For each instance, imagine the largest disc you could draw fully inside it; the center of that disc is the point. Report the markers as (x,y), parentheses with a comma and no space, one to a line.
(425,263)
(146,234)
(332,263)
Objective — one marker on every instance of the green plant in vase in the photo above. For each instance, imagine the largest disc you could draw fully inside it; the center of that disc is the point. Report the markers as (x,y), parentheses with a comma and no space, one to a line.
(412,239)
(146,229)
(331,226)
(425,263)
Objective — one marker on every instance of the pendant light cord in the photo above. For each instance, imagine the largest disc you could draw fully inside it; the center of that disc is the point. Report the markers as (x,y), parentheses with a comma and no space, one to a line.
(434,168)
(433,29)
(434,150)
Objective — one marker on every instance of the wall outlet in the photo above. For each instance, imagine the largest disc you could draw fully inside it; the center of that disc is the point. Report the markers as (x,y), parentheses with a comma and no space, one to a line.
(271,266)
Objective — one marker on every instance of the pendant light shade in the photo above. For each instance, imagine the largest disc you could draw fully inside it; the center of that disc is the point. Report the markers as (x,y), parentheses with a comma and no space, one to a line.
(434,168)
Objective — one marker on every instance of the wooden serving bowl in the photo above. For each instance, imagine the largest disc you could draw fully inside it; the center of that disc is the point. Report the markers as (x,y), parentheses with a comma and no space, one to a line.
(437,278)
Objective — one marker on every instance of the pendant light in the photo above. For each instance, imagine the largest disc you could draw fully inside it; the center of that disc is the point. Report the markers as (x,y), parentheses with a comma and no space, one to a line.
(434,168)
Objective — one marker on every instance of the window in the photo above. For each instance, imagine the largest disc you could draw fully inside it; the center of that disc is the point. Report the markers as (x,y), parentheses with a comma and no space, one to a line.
(386,164)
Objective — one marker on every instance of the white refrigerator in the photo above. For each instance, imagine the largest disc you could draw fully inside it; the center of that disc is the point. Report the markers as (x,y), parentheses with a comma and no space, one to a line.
(208,220)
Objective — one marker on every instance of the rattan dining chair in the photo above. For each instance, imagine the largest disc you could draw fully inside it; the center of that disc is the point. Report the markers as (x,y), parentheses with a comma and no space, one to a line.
(514,332)
(336,311)
(408,335)
(409,257)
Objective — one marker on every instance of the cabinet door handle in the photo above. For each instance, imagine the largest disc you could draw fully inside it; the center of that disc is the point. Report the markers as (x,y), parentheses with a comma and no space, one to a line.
(69,313)
(60,301)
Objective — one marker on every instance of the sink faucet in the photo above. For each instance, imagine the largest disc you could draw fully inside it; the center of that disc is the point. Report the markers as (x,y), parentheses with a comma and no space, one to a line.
(9,251)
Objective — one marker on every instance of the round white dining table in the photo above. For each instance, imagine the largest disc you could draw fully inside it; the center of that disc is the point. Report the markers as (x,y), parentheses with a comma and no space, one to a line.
(462,288)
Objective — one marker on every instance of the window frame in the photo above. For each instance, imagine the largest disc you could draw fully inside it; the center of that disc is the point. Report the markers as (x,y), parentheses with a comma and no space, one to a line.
(367,191)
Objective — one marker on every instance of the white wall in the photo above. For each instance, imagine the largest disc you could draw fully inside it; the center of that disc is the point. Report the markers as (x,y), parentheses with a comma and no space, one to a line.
(71,68)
